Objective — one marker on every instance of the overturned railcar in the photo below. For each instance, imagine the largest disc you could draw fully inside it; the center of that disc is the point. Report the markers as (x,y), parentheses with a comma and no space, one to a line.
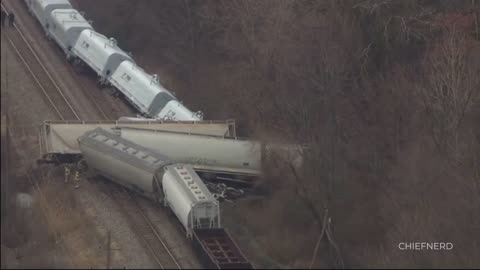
(189,198)
(233,157)
(150,174)
(128,164)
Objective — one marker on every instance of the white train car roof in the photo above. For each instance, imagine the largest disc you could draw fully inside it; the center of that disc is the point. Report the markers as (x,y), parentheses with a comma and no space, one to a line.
(206,153)
(122,149)
(189,198)
(42,8)
(176,111)
(99,52)
(191,183)
(66,26)
(49,5)
(60,137)
(214,153)
(69,19)
(141,87)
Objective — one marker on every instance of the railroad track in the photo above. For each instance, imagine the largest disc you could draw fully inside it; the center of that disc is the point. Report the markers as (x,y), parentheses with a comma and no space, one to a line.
(65,111)
(136,215)
(31,176)
(85,85)
(144,228)
(39,73)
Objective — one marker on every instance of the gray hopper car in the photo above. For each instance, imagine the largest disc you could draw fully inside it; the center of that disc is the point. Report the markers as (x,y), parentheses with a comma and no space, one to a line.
(217,154)
(152,175)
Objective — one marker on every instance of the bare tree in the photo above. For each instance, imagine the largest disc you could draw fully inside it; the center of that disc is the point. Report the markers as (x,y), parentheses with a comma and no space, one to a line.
(452,84)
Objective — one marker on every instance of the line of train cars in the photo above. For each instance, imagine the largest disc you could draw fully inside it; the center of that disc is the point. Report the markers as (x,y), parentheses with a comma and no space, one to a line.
(170,177)
(177,185)
(83,45)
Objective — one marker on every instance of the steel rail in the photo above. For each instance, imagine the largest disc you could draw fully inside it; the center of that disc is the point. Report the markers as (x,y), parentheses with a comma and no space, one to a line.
(144,227)
(37,80)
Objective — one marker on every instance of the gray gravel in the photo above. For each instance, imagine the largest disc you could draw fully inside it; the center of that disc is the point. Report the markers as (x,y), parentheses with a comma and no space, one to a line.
(103,211)
(78,87)
(172,233)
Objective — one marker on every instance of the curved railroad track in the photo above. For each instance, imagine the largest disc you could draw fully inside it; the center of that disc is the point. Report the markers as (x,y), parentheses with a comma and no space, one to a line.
(84,83)
(39,73)
(139,220)
(144,228)
(42,76)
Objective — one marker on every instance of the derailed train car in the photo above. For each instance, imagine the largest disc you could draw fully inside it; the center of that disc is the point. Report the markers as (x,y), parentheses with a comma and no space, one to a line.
(189,198)
(152,175)
(239,158)
(119,160)
(177,185)
(217,250)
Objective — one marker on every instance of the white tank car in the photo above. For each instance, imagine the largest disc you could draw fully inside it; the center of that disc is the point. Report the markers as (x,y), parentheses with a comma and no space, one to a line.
(226,128)
(189,198)
(41,9)
(100,53)
(174,110)
(123,161)
(212,153)
(65,28)
(145,92)
(147,172)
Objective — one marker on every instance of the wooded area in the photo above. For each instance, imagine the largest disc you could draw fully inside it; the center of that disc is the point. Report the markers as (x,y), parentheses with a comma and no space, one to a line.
(385,93)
